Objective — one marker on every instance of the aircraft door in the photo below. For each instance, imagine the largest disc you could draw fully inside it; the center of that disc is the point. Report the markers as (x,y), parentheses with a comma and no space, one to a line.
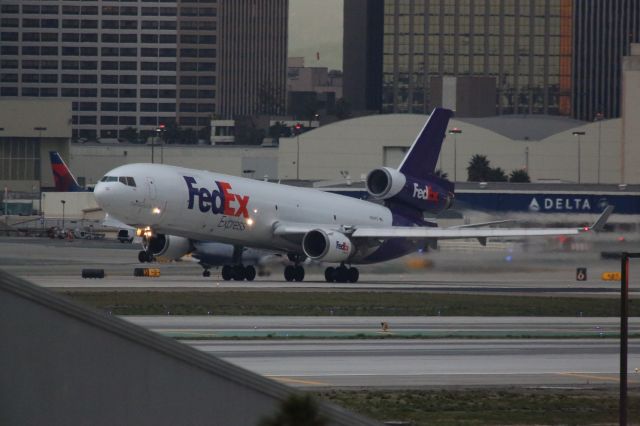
(151,189)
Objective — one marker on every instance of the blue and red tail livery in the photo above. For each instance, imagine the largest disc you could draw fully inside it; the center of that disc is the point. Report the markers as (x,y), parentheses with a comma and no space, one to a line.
(64,179)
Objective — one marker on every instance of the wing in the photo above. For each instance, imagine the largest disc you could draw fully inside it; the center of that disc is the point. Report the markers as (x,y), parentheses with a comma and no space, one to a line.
(295,231)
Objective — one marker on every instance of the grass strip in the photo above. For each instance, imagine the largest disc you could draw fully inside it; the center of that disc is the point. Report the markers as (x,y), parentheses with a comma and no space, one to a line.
(488,406)
(343,304)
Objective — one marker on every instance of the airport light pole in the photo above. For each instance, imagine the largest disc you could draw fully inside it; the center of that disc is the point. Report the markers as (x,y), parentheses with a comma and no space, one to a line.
(40,129)
(159,130)
(297,128)
(455,132)
(599,118)
(63,203)
(579,134)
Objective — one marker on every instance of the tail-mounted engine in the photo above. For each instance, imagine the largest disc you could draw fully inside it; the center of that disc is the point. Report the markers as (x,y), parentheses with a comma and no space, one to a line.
(167,247)
(327,246)
(432,194)
(385,182)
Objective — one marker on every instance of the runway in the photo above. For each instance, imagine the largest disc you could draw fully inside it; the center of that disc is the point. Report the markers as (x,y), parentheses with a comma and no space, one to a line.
(57,264)
(339,360)
(348,327)
(411,363)
(547,351)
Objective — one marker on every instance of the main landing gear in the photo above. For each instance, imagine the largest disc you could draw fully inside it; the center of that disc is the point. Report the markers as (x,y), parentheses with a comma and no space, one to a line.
(238,272)
(341,274)
(294,272)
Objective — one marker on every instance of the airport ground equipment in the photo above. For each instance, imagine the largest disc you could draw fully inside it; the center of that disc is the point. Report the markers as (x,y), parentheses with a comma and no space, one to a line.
(93,273)
(146,272)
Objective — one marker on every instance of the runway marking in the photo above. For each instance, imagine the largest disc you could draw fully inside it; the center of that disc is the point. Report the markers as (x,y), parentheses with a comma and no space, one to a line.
(297,381)
(593,377)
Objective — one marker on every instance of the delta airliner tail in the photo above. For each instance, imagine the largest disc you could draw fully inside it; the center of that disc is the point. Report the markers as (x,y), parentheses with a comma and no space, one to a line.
(64,179)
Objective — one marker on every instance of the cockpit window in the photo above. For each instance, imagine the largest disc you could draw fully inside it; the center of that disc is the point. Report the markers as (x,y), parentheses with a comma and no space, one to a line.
(126,180)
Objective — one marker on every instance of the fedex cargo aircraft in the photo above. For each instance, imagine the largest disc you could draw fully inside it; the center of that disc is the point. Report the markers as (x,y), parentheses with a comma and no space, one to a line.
(177,207)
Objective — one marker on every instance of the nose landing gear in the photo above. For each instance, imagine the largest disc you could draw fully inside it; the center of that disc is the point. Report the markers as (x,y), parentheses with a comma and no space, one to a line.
(145,256)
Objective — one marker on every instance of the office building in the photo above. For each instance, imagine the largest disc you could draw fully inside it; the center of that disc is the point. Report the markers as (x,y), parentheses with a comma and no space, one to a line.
(559,57)
(133,64)
(603,31)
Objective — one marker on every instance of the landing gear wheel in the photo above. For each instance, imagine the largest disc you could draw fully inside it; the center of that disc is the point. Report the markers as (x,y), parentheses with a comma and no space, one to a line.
(227,272)
(289,273)
(353,275)
(298,273)
(238,273)
(330,274)
(142,256)
(206,273)
(249,273)
(342,274)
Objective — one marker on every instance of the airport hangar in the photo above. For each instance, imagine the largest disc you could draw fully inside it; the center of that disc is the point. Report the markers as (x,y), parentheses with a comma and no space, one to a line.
(346,151)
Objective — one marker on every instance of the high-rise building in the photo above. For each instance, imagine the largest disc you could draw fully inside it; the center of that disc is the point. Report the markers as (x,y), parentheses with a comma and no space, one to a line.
(603,33)
(252,65)
(134,64)
(547,56)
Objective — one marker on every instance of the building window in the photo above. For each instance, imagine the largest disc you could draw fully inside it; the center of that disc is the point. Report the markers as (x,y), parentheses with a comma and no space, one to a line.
(19,159)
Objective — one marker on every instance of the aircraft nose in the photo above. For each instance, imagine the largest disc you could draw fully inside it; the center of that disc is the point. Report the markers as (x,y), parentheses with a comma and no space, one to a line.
(103,194)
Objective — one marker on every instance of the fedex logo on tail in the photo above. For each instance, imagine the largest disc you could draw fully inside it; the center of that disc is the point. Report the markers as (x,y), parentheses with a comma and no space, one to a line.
(218,200)
(344,246)
(425,193)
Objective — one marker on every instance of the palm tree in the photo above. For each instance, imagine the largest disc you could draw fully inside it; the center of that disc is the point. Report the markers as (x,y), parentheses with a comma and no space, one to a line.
(478,169)
(297,410)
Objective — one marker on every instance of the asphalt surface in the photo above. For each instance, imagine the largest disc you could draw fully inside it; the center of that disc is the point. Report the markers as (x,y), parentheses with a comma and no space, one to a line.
(419,363)
(349,327)
(505,268)
(483,360)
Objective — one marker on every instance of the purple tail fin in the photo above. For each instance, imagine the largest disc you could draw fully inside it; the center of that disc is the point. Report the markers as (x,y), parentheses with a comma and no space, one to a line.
(422,157)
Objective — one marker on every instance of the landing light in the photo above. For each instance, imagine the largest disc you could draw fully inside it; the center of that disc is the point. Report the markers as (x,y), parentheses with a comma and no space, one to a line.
(156,210)
(146,232)
(249,221)
(255,210)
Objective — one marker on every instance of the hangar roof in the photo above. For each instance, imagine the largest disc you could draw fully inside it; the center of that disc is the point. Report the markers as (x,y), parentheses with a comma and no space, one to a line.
(525,127)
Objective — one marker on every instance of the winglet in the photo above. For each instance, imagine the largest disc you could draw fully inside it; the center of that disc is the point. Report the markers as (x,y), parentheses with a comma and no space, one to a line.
(598,226)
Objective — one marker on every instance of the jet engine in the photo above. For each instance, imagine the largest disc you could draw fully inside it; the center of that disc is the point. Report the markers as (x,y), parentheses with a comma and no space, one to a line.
(385,182)
(167,247)
(327,246)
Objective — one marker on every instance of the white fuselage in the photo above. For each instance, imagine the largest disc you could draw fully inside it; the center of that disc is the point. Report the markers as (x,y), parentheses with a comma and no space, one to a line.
(211,206)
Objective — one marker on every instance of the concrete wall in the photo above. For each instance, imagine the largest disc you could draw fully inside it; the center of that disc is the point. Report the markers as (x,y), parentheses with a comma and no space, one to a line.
(630,172)
(63,364)
(20,117)
(75,206)
(92,161)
